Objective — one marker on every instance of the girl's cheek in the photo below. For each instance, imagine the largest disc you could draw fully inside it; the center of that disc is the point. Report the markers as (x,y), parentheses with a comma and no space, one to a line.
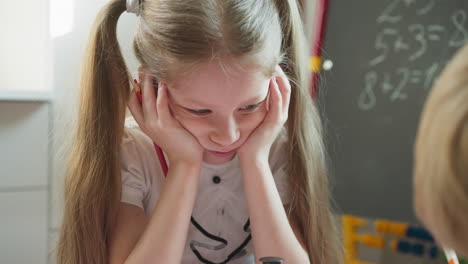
(263,111)
(179,114)
(251,121)
(182,118)
(195,127)
(173,110)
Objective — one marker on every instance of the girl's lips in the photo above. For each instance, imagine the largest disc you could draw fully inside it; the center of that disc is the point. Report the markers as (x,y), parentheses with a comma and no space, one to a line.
(223,154)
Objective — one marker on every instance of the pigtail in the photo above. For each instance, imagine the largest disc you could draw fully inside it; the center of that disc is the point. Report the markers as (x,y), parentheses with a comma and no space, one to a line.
(92,183)
(310,201)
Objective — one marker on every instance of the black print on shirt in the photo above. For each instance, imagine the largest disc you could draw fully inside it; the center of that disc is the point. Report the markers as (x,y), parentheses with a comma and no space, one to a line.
(238,252)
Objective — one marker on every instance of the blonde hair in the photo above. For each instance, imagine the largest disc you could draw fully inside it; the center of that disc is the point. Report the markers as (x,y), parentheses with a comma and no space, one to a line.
(441,155)
(172,37)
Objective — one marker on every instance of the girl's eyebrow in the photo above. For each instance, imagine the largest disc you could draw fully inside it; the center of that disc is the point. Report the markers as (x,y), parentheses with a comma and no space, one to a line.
(256,99)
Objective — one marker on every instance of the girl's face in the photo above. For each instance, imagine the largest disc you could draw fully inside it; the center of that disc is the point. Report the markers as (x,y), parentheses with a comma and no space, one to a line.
(221,110)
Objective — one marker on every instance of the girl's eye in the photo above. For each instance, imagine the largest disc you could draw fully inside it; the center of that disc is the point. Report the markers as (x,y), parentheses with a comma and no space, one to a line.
(200,111)
(250,107)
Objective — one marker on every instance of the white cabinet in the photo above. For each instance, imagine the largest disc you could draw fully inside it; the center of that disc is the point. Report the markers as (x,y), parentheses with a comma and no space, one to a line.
(23,227)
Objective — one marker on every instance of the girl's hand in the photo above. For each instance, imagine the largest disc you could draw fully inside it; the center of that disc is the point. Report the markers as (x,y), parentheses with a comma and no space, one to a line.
(155,120)
(258,144)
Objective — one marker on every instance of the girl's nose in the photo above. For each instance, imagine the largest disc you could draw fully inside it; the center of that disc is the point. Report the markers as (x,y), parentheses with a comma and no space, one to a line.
(226,134)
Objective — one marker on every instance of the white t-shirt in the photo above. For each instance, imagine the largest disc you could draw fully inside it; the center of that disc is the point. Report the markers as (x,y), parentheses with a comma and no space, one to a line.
(219,231)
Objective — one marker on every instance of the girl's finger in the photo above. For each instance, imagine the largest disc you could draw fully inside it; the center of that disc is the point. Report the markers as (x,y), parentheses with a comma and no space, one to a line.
(162,104)
(285,88)
(268,99)
(275,103)
(149,99)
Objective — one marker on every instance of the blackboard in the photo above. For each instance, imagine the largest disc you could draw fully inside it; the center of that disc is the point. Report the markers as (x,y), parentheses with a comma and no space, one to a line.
(385,56)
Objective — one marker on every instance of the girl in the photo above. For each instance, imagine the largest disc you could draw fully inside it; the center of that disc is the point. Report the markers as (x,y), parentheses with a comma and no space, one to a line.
(441,157)
(244,180)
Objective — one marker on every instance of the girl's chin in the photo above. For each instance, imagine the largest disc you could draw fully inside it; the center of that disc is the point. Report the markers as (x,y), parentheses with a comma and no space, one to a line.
(212,158)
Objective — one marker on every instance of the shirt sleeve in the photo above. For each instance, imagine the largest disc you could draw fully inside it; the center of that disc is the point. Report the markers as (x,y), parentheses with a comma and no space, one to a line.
(278,163)
(135,184)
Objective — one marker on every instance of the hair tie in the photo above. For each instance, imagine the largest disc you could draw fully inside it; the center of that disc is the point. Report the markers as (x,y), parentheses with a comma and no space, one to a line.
(133,6)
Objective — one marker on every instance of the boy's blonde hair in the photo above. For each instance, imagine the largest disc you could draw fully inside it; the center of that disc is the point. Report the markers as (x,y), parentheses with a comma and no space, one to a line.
(172,37)
(441,157)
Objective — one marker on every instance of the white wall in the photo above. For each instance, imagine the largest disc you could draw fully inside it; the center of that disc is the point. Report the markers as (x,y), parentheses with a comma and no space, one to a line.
(24,177)
(24,50)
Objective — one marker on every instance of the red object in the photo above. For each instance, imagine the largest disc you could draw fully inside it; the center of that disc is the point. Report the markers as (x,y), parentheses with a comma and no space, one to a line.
(162,160)
(320,24)
(138,94)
